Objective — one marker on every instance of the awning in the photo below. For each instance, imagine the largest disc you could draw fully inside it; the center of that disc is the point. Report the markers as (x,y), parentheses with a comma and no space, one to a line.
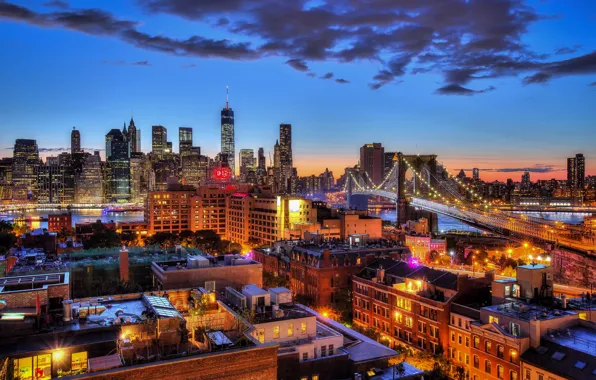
(104,362)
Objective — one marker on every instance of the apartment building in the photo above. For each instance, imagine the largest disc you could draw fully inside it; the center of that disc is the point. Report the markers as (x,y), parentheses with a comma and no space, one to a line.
(169,211)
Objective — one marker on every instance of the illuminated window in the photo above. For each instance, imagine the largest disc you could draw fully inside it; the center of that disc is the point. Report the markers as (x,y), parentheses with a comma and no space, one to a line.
(290,329)
(492,319)
(303,328)
(261,335)
(476,342)
(409,321)
(79,361)
(582,316)
(487,346)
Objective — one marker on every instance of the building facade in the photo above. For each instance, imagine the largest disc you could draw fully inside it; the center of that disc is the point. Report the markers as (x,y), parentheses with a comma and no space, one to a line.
(228,145)
(24,172)
(372,161)
(159,140)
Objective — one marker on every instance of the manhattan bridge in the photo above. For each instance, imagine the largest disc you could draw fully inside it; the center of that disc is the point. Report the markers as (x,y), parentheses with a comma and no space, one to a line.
(432,188)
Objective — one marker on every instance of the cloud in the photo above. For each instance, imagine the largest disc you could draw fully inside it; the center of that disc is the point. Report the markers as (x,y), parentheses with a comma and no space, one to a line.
(297,64)
(455,89)
(568,50)
(341,81)
(125,63)
(311,75)
(57,4)
(463,41)
(538,168)
(593,84)
(327,76)
(44,150)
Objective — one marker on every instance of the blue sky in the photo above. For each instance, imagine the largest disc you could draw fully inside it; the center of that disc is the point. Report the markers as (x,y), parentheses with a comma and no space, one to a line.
(55,77)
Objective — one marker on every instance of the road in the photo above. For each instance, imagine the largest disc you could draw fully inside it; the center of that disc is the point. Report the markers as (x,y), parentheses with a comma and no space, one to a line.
(569,291)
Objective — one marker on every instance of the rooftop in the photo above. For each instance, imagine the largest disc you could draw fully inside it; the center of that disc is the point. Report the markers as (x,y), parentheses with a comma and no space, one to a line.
(564,361)
(579,338)
(527,312)
(533,266)
(203,261)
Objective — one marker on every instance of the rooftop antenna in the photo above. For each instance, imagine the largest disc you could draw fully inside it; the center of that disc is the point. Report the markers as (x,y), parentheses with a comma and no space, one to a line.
(227,97)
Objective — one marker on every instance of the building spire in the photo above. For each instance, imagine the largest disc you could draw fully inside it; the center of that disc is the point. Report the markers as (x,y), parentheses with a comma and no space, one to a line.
(227,102)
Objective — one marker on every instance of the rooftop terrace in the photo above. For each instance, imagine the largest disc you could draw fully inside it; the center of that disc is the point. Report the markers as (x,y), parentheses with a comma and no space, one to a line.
(527,312)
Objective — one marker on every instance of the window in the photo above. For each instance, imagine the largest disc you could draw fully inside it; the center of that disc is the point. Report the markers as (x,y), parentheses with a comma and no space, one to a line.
(275,332)
(476,342)
(487,366)
(305,356)
(487,346)
(512,375)
(421,327)
(453,337)
(330,350)
(459,339)
(476,361)
(500,351)
(303,328)
(500,371)
(467,341)
(404,303)
(540,376)
(467,359)
(315,377)
(453,350)
(512,355)
(399,318)
(492,319)
(409,322)
(261,335)
(514,329)
(528,374)
(422,343)
(79,361)
(459,322)
(323,351)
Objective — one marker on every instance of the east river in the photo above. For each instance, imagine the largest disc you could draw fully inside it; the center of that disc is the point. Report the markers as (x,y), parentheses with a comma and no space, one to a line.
(82,216)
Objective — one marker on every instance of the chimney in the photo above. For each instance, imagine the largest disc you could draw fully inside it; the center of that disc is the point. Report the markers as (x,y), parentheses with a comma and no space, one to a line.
(67,310)
(564,299)
(124,264)
(326,258)
(381,274)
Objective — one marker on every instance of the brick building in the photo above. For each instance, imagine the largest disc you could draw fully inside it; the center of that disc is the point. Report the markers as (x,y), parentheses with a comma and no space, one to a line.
(320,275)
(58,222)
(169,211)
(408,303)
(208,208)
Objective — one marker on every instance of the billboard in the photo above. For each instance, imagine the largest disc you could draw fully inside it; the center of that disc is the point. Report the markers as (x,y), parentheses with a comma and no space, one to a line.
(221,174)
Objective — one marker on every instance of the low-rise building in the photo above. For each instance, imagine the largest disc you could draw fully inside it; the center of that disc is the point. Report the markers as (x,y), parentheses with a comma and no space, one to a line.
(424,247)
(355,223)
(213,273)
(169,211)
(408,303)
(59,222)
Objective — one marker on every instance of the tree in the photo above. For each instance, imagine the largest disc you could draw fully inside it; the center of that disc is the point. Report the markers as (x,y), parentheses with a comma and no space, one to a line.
(460,373)
(164,239)
(270,280)
(235,248)
(102,237)
(128,238)
(7,241)
(509,272)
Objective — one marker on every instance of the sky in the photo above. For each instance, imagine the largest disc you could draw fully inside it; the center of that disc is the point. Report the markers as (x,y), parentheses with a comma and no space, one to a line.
(501,85)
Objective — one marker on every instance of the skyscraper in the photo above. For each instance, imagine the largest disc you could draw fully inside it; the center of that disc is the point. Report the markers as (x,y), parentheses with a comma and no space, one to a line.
(388,162)
(159,140)
(118,160)
(261,159)
(285,145)
(476,174)
(227,135)
(184,141)
(525,181)
(576,171)
(372,161)
(132,137)
(75,141)
(89,182)
(25,166)
(247,162)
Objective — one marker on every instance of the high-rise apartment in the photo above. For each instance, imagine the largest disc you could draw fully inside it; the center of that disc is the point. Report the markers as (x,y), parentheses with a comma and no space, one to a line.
(75,141)
(576,171)
(228,146)
(133,136)
(372,161)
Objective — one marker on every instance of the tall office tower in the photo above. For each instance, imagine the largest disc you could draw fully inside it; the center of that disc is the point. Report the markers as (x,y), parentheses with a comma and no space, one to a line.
(132,137)
(184,141)
(49,183)
(571,173)
(169,147)
(372,161)
(276,156)
(75,141)
(6,178)
(261,159)
(67,172)
(24,172)
(580,170)
(247,162)
(476,174)
(194,167)
(525,181)
(139,175)
(227,135)
(118,160)
(159,140)
(89,181)
(285,145)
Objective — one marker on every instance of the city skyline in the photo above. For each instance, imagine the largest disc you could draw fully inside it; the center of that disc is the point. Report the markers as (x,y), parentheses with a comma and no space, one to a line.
(515,126)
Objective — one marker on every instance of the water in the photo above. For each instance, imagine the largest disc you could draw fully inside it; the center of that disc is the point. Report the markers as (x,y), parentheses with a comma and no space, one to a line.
(446,223)
(78,216)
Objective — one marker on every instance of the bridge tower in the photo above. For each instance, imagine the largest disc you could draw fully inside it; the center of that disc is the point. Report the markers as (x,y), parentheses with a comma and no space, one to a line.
(424,165)
(349,192)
